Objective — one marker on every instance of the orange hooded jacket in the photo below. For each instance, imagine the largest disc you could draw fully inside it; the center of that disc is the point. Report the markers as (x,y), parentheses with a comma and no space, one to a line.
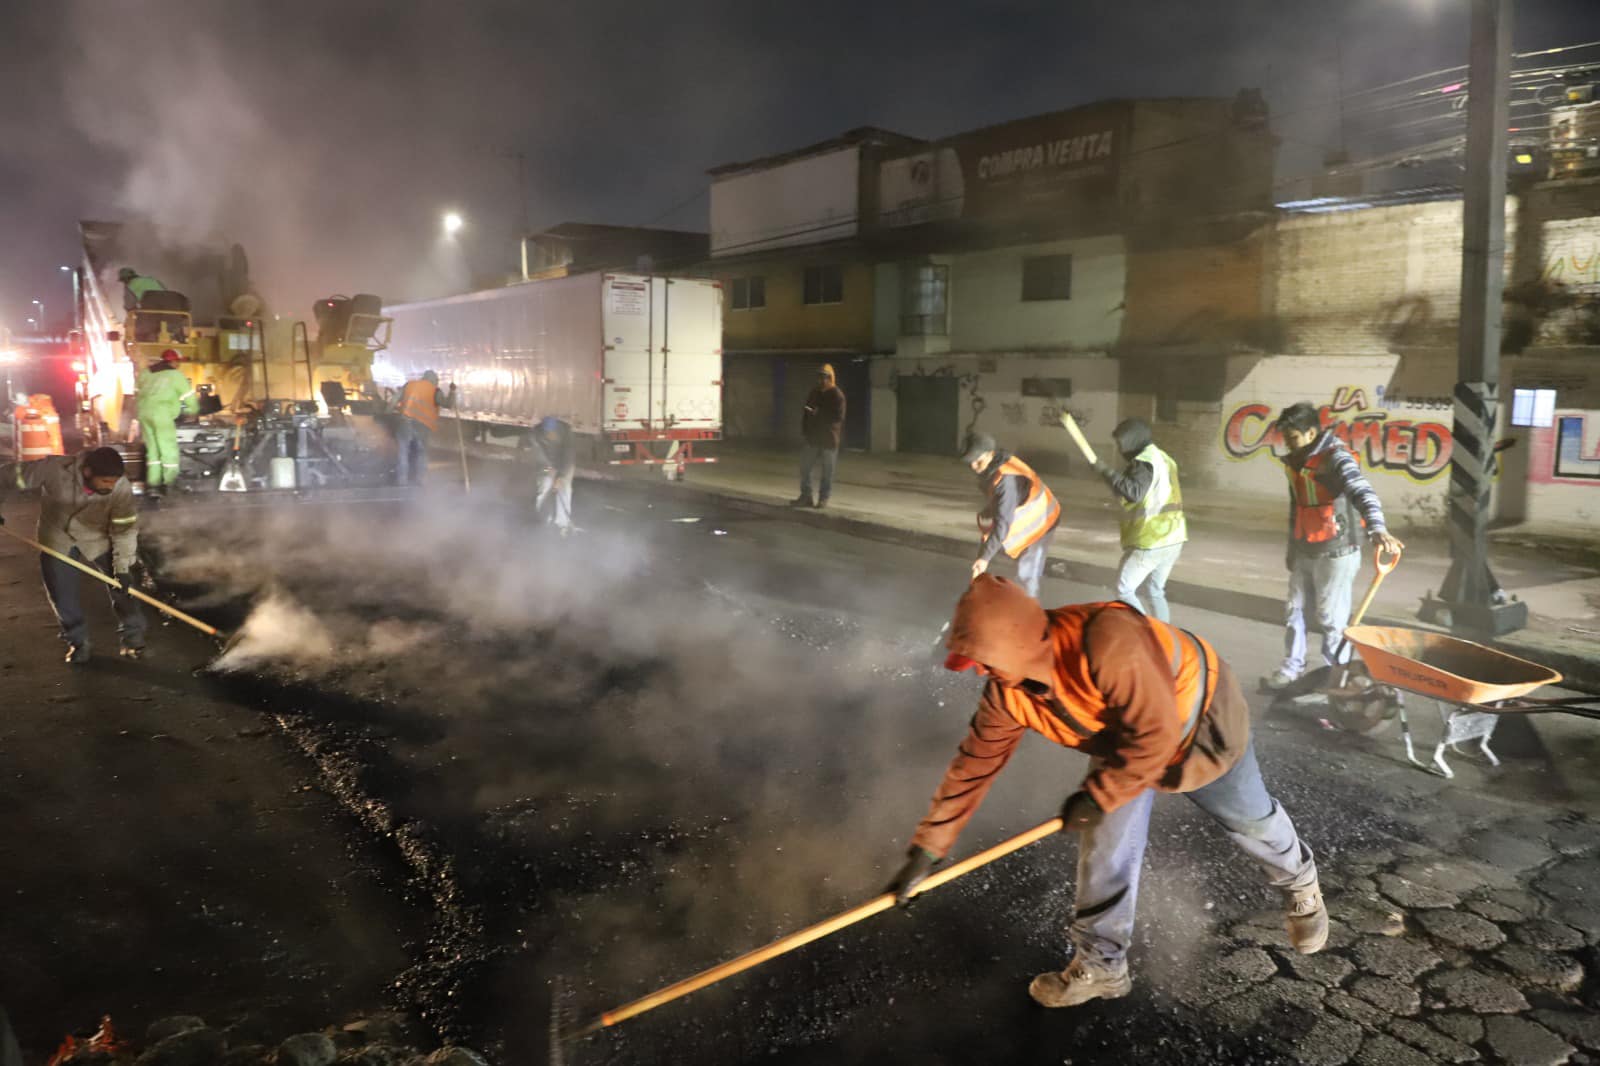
(1097,677)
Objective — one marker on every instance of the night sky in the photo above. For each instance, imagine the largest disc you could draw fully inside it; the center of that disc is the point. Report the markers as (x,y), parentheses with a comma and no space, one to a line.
(327,137)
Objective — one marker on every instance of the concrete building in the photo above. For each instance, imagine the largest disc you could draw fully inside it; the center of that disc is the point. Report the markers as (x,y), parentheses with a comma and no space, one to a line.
(800,281)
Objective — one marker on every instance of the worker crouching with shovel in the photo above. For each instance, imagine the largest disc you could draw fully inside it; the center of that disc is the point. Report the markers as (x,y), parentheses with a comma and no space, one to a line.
(1156,709)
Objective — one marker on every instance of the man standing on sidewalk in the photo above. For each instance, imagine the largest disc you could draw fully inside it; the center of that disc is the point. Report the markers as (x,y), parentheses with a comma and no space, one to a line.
(1153,526)
(419,407)
(1155,709)
(558,457)
(1020,515)
(822,425)
(86,511)
(1329,501)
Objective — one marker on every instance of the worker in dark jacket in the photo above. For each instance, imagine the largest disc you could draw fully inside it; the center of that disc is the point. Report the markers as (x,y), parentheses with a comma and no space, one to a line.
(1153,526)
(1019,515)
(86,512)
(1155,709)
(557,455)
(822,426)
(1329,501)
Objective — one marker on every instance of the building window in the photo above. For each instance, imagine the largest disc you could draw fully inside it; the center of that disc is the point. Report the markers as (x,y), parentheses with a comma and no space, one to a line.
(748,294)
(924,300)
(1533,407)
(1047,277)
(824,285)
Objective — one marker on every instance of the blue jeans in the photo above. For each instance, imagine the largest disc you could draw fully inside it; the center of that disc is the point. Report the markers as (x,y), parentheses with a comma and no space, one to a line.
(63,584)
(1146,570)
(409,434)
(1111,854)
(810,456)
(1030,564)
(1325,583)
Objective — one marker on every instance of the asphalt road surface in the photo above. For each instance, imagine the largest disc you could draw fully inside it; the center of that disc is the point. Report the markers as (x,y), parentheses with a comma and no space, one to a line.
(613,760)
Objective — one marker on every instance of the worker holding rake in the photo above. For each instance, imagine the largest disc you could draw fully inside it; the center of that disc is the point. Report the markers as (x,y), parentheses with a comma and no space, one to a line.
(87,517)
(1156,709)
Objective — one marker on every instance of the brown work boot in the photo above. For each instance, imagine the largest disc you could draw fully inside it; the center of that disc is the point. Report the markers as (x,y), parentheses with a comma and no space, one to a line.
(1079,983)
(1306,918)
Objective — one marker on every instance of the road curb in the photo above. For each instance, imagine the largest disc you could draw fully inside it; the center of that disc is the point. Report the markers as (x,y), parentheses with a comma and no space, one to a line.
(1580,672)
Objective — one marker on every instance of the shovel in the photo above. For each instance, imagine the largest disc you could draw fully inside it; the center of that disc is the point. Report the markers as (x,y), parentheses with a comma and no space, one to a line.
(188,619)
(750,959)
(233,474)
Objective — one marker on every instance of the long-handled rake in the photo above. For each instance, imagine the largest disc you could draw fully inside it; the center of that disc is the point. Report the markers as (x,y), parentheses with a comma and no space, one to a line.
(876,905)
(188,619)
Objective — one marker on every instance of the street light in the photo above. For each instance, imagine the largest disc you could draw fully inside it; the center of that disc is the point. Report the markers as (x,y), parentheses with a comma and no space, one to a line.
(40,306)
(452,223)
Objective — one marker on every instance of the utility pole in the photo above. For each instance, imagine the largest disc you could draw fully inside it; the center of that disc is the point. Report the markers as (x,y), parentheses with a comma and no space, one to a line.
(1470,600)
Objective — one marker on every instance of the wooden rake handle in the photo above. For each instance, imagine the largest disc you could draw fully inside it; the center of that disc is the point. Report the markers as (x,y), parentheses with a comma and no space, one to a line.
(94,572)
(750,959)
(1381,567)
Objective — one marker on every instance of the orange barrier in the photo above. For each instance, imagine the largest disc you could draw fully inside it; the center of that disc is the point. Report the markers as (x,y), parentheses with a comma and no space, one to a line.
(37,428)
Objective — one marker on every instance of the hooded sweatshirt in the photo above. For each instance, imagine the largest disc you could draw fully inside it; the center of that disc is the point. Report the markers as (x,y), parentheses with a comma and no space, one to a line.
(1341,475)
(1131,483)
(1140,743)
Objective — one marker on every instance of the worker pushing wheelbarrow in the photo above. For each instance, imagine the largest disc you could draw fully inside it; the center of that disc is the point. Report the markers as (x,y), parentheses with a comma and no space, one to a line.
(1472,684)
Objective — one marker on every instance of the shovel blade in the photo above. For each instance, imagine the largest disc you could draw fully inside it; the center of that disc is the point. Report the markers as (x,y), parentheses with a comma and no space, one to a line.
(233,478)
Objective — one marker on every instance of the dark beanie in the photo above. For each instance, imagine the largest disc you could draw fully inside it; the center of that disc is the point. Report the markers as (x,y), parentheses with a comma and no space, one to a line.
(103,462)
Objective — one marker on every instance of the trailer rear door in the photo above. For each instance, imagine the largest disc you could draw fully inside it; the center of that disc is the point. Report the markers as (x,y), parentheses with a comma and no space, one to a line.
(631,400)
(688,325)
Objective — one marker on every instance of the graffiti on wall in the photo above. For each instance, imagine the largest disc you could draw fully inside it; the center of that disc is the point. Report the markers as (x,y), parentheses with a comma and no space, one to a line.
(1381,438)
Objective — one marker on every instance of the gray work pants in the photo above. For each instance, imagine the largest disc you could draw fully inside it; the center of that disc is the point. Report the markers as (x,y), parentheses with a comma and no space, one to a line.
(554,502)
(1324,583)
(63,585)
(1110,855)
(1030,564)
(1145,570)
(810,457)
(409,434)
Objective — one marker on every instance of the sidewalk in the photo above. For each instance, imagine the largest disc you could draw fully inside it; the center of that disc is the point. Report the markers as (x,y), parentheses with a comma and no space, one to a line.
(1233,562)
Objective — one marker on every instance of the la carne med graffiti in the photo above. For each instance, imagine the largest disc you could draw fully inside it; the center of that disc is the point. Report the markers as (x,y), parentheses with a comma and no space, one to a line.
(1419,450)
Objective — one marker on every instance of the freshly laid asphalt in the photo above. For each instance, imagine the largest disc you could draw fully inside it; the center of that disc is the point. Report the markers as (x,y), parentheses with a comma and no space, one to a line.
(613,760)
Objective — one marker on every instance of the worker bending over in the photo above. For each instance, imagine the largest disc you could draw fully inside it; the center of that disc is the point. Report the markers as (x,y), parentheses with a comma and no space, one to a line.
(1329,501)
(1020,513)
(1153,526)
(164,395)
(86,511)
(419,407)
(557,454)
(1155,709)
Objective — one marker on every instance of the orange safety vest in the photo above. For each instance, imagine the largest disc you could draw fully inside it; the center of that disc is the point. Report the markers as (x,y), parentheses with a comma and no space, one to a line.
(1037,513)
(38,428)
(418,401)
(1316,511)
(1076,711)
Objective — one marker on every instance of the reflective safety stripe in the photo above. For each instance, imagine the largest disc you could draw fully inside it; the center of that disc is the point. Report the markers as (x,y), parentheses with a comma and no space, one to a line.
(129,520)
(1035,516)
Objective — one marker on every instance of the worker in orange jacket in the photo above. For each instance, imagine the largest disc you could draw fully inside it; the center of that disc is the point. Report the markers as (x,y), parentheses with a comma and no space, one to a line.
(1155,709)
(419,407)
(1020,515)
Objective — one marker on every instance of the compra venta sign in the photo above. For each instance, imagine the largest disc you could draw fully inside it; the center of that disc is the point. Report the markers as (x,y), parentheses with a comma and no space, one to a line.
(1059,153)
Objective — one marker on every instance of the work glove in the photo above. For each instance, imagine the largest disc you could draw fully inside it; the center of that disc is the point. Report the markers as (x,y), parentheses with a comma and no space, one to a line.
(919,864)
(124,580)
(1080,813)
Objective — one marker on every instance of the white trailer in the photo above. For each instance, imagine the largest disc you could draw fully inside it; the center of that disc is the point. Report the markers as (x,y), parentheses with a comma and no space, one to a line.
(632,361)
